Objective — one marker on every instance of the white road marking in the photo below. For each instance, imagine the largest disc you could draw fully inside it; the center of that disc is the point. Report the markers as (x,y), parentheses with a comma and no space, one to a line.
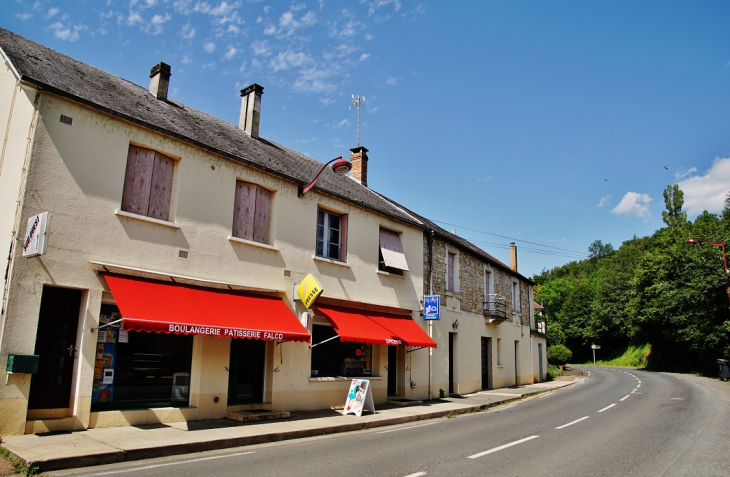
(417,474)
(135,469)
(506,407)
(632,392)
(496,449)
(638,386)
(571,423)
(624,398)
(404,428)
(607,407)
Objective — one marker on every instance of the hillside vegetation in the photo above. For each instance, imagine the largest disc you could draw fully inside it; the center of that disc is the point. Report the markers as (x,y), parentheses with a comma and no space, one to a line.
(658,291)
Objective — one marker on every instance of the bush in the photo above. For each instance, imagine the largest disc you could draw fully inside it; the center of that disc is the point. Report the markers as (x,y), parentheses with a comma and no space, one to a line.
(553,372)
(558,354)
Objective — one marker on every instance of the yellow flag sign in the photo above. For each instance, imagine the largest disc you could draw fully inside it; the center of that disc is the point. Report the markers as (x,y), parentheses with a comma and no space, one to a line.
(309,290)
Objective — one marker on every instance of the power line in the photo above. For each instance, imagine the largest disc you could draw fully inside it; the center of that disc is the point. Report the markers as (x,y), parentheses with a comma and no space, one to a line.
(582,254)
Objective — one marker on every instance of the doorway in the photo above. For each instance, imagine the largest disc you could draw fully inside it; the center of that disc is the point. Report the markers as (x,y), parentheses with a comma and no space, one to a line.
(246,371)
(486,347)
(539,360)
(517,363)
(451,363)
(55,344)
(392,370)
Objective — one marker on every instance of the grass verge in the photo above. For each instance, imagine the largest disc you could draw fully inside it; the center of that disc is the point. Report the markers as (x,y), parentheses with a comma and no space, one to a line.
(633,357)
(18,466)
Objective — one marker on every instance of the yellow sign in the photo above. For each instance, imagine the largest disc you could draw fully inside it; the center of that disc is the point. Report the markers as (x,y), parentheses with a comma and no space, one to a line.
(309,290)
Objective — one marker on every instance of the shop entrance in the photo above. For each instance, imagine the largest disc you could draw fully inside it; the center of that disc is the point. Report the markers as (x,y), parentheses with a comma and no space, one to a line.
(486,345)
(246,371)
(392,370)
(50,387)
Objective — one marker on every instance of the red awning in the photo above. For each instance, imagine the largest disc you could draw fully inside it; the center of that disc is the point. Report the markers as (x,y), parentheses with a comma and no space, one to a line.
(148,305)
(363,326)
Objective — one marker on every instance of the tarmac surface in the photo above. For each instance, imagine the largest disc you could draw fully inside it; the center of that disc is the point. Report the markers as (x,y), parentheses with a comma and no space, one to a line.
(67,450)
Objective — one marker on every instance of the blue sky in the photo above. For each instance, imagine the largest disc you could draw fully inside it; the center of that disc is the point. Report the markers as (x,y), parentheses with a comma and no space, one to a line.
(551,124)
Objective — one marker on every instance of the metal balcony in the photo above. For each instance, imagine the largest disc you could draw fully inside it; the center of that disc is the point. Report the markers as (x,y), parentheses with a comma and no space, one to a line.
(495,307)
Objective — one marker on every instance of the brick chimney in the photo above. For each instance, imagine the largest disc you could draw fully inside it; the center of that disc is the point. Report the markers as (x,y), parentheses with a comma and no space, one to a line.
(359,161)
(160,80)
(251,109)
(513,256)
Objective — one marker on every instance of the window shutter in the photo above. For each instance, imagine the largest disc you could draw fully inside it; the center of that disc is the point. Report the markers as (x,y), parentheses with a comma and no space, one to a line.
(343,238)
(392,250)
(138,180)
(243,215)
(450,285)
(262,220)
(161,189)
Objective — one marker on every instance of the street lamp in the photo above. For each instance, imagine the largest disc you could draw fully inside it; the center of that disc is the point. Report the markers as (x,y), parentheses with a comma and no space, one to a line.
(721,246)
(340,166)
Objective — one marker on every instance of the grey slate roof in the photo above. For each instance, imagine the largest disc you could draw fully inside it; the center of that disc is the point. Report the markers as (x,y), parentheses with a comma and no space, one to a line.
(54,72)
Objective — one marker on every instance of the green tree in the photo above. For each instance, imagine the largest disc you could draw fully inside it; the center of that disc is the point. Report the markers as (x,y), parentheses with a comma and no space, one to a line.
(597,249)
(674,201)
(555,335)
(558,354)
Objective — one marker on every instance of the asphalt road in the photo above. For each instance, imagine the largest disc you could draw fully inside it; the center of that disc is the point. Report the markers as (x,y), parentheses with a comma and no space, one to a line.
(617,422)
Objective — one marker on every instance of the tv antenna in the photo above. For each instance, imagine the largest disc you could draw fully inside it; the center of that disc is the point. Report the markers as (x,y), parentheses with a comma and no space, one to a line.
(357,101)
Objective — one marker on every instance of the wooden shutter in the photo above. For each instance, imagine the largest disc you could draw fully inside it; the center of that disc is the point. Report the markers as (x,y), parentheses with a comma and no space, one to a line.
(161,189)
(391,250)
(262,218)
(243,214)
(450,272)
(343,238)
(138,180)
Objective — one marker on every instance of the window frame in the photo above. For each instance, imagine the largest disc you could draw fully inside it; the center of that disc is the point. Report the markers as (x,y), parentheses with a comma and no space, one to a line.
(252,210)
(326,240)
(516,298)
(394,245)
(149,178)
(452,270)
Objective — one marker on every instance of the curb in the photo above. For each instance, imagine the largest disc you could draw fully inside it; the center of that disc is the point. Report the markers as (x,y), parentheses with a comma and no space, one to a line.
(63,463)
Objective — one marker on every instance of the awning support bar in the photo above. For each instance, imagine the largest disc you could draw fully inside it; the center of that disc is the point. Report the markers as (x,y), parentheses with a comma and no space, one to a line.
(104,326)
(411,350)
(328,339)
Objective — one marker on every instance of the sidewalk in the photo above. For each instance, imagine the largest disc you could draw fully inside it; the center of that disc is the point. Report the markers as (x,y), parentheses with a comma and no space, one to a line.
(118,444)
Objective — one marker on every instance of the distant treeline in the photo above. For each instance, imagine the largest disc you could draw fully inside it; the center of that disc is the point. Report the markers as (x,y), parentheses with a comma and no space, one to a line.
(659,290)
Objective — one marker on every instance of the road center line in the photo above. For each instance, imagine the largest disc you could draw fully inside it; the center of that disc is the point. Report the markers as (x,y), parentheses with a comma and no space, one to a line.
(417,474)
(135,469)
(496,449)
(404,428)
(573,422)
(624,398)
(607,407)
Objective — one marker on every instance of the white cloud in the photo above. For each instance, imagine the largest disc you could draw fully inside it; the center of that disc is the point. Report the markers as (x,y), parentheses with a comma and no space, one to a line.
(364,56)
(707,192)
(154,27)
(391,81)
(134,18)
(261,48)
(68,33)
(289,59)
(230,53)
(24,16)
(484,180)
(682,173)
(186,59)
(187,31)
(604,201)
(633,204)
(52,12)
(209,47)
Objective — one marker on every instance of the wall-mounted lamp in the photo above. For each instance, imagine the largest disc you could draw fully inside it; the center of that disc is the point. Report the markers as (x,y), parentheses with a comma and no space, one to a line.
(340,166)
(455,324)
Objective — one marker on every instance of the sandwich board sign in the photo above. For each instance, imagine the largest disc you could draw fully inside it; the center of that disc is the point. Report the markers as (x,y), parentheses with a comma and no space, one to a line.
(359,398)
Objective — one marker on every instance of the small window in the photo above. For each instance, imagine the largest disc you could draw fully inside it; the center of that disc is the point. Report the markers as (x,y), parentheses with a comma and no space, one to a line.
(516,308)
(450,272)
(148,183)
(391,258)
(331,235)
(252,212)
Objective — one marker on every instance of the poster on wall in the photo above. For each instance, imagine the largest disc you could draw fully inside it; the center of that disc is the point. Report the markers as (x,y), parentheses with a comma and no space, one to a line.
(359,398)
(102,390)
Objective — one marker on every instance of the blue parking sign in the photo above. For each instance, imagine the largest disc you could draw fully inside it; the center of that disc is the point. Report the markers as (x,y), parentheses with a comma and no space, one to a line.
(431,307)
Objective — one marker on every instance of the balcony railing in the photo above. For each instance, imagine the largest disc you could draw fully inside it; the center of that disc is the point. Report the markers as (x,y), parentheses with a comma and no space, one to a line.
(495,306)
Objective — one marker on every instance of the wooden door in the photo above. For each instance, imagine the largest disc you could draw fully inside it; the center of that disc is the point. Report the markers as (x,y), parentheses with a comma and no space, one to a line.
(50,387)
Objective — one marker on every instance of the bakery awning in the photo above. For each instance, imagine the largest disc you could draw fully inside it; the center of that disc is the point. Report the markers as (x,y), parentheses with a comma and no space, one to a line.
(148,305)
(362,326)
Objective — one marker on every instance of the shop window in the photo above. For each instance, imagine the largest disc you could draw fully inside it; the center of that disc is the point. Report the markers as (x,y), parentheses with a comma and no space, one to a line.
(148,183)
(334,358)
(391,258)
(252,212)
(138,369)
(331,235)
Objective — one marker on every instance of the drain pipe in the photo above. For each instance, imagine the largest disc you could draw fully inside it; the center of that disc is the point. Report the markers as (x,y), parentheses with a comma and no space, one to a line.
(429,239)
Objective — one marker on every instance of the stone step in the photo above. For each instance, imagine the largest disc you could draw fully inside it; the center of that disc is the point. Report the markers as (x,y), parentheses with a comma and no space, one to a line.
(253,415)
